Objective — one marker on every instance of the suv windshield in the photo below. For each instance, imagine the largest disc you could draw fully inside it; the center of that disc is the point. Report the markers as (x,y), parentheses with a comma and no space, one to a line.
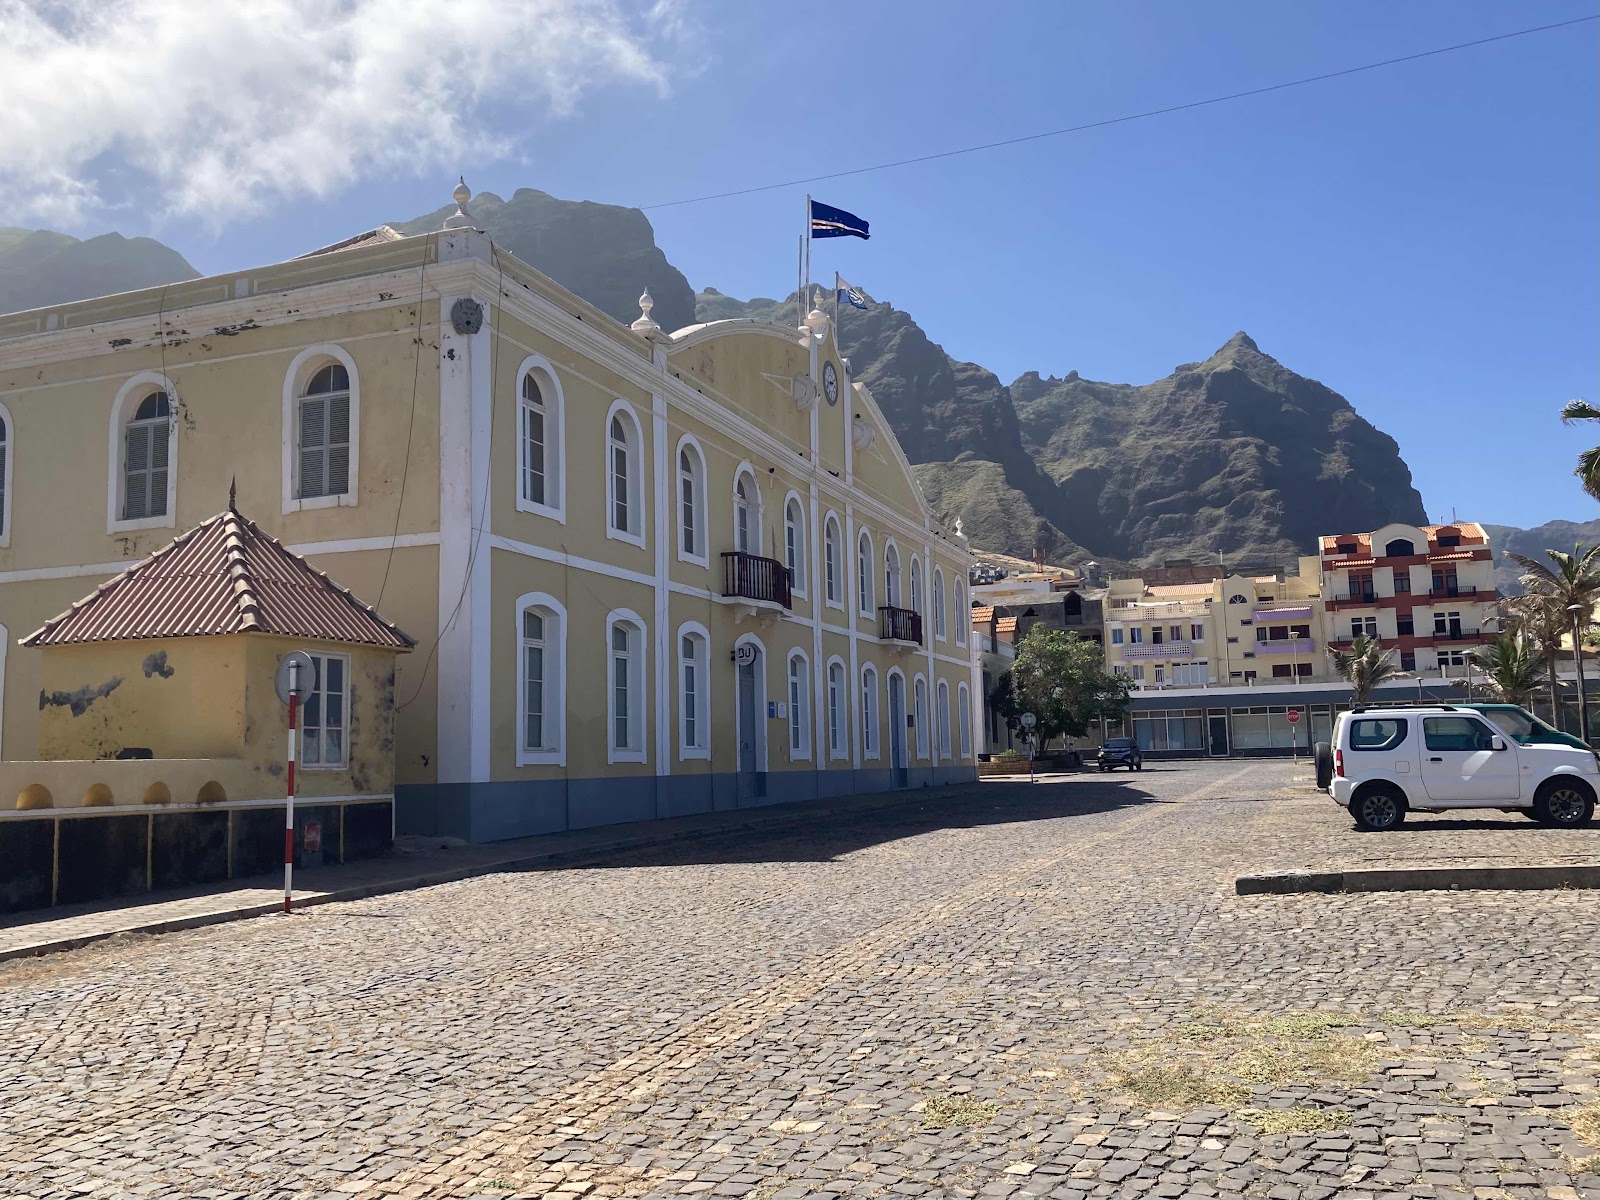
(1119,743)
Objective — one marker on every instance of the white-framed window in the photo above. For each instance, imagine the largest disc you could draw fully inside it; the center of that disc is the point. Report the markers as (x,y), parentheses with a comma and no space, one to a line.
(869,711)
(794,543)
(891,575)
(832,563)
(921,711)
(799,706)
(624,475)
(541,440)
(693,543)
(938,604)
(321,429)
(964,718)
(541,680)
(838,710)
(864,571)
(746,511)
(323,717)
(626,706)
(694,691)
(963,613)
(143,454)
(942,710)
(5,475)
(916,585)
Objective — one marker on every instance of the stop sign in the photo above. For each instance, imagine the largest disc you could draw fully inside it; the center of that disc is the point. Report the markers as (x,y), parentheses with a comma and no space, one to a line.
(1294,716)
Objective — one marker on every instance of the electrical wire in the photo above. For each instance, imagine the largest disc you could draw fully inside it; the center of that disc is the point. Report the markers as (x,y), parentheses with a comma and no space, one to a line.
(1122,120)
(411,425)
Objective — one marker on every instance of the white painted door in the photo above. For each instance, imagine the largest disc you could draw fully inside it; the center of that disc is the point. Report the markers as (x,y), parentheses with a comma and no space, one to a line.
(1459,763)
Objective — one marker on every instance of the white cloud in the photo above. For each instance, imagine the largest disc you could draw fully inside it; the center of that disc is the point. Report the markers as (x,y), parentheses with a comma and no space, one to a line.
(212,109)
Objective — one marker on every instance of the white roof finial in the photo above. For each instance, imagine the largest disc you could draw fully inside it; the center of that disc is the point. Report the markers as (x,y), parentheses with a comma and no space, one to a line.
(460,219)
(959,534)
(646,326)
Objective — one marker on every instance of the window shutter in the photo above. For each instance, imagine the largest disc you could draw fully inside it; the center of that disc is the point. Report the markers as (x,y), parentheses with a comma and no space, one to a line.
(4,449)
(338,445)
(313,447)
(160,435)
(136,474)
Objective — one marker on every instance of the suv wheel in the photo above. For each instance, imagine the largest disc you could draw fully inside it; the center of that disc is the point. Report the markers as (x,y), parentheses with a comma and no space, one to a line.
(1563,802)
(1378,809)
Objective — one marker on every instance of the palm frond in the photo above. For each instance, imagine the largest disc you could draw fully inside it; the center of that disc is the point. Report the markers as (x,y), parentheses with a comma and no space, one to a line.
(1574,411)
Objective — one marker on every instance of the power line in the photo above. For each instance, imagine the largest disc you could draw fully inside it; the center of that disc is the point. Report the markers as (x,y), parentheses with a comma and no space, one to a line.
(1122,120)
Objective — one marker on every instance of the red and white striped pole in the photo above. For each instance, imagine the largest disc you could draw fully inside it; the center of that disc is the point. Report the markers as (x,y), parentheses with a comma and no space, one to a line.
(288,819)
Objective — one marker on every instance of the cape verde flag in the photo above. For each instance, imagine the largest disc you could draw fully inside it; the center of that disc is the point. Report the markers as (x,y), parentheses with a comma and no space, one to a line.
(827,221)
(845,294)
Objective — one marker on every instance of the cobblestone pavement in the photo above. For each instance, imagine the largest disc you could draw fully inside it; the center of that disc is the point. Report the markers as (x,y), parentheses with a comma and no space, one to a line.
(1004,991)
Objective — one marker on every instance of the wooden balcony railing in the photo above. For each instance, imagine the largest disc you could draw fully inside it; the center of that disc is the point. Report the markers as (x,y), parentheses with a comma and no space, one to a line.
(899,625)
(755,578)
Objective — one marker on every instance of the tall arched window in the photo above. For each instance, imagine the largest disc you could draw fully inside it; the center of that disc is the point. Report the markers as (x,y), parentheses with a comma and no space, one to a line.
(624,476)
(324,432)
(746,513)
(832,563)
(938,604)
(799,706)
(541,449)
(541,698)
(625,686)
(869,711)
(694,692)
(891,575)
(921,711)
(964,717)
(942,708)
(5,477)
(693,545)
(794,543)
(147,440)
(864,573)
(963,613)
(916,585)
(838,710)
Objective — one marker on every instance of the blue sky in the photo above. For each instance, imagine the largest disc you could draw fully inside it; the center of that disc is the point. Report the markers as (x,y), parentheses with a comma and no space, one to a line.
(1422,238)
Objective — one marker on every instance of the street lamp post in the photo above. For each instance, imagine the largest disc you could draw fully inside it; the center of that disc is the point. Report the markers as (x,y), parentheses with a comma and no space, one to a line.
(1577,664)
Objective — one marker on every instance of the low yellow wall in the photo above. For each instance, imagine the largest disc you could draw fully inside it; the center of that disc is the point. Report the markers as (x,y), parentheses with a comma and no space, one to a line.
(74,784)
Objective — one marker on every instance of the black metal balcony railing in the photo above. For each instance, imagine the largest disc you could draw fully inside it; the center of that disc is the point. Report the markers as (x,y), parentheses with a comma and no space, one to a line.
(1451,590)
(755,578)
(1364,596)
(899,625)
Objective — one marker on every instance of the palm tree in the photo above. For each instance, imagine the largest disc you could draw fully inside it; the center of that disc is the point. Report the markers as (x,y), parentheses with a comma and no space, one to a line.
(1589,461)
(1542,622)
(1364,666)
(1513,667)
(1550,589)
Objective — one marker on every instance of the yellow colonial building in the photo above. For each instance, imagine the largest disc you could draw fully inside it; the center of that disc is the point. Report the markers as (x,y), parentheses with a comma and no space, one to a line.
(649,573)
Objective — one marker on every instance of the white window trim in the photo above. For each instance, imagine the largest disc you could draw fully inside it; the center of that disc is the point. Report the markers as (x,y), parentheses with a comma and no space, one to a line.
(555,415)
(803,753)
(866,605)
(871,743)
(344,755)
(920,703)
(894,588)
(301,369)
(555,651)
(702,506)
(745,471)
(941,720)
(11,473)
(636,687)
(130,395)
(964,739)
(832,524)
(636,500)
(702,695)
(841,752)
(798,581)
(939,605)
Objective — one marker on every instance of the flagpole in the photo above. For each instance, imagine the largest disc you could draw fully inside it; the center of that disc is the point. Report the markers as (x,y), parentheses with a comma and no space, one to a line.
(836,310)
(808,254)
(799,259)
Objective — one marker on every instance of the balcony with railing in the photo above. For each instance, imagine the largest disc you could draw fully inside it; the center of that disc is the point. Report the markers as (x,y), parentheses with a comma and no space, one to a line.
(1363,598)
(1174,650)
(751,577)
(1287,646)
(899,625)
(1451,591)
(1282,610)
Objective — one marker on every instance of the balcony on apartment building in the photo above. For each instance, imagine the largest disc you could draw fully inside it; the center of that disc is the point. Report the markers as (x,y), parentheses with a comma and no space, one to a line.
(1282,610)
(1141,650)
(1450,591)
(1355,598)
(899,625)
(1287,646)
(751,577)
(1145,610)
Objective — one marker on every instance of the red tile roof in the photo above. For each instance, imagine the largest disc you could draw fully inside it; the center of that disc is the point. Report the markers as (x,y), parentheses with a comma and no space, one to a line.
(223,576)
(1006,625)
(983,614)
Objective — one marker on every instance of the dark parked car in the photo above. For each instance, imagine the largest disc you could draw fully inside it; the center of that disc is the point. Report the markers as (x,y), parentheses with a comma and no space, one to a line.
(1120,752)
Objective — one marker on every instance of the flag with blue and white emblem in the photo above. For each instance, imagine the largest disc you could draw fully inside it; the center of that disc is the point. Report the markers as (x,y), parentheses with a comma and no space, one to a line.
(845,294)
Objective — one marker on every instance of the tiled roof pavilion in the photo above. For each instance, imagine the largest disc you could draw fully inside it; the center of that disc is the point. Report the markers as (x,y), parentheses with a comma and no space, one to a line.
(224,576)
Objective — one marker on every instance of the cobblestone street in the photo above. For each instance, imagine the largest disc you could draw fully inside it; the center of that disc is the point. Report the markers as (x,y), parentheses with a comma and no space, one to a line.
(995,990)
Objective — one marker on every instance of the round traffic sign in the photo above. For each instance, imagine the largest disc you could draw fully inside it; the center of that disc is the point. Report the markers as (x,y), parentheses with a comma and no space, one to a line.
(1028,720)
(299,668)
(1294,716)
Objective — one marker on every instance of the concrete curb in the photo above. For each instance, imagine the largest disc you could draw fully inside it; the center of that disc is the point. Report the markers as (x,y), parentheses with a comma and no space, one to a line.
(1421,879)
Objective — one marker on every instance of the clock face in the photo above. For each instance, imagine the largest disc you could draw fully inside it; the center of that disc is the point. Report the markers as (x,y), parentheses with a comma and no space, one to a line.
(830,382)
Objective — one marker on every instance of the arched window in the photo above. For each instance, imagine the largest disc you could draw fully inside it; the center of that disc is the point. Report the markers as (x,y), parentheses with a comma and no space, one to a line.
(832,563)
(942,708)
(794,543)
(5,477)
(938,604)
(864,572)
(625,687)
(963,613)
(838,710)
(694,692)
(916,585)
(323,424)
(964,717)
(541,448)
(746,513)
(921,711)
(891,575)
(1399,548)
(624,476)
(799,706)
(146,459)
(869,711)
(541,698)
(693,545)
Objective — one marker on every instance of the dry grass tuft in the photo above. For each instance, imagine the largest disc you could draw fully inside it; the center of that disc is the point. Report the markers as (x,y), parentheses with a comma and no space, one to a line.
(1174,1085)
(946,1112)
(1585,1123)
(1294,1120)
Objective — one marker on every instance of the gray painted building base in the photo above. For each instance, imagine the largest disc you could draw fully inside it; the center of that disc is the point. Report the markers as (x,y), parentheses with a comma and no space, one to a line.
(492,812)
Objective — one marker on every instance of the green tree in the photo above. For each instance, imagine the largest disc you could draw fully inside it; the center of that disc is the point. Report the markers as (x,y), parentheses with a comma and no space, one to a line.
(1550,589)
(1588,469)
(1543,623)
(1062,679)
(1513,667)
(1364,666)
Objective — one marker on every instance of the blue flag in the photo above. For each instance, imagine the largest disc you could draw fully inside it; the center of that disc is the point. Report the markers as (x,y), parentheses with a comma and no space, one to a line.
(845,294)
(827,221)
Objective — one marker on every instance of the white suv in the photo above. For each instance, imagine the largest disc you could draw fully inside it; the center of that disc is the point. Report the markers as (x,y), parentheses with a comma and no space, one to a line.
(1388,761)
